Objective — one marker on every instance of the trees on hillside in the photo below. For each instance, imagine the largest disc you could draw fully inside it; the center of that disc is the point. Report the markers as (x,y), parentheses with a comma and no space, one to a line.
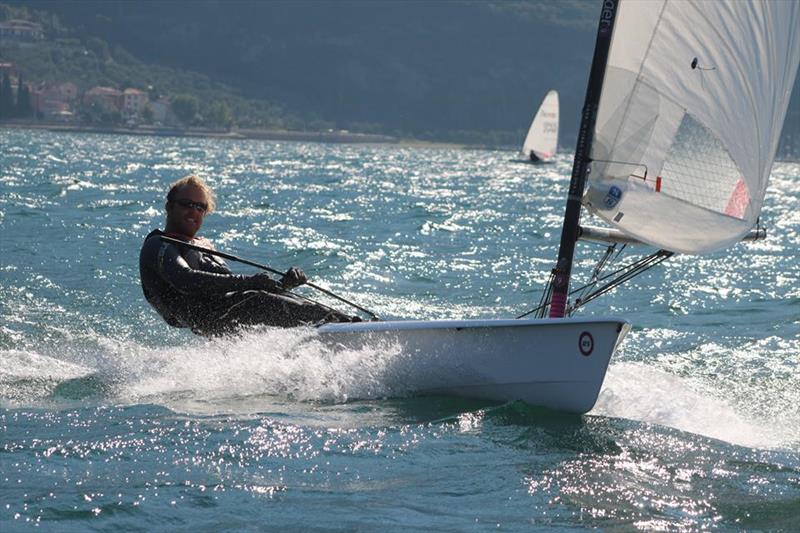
(191,111)
(218,114)
(23,108)
(14,106)
(6,97)
(185,107)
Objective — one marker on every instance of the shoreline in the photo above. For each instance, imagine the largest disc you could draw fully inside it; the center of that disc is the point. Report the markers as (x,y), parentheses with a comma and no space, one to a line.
(339,137)
(238,134)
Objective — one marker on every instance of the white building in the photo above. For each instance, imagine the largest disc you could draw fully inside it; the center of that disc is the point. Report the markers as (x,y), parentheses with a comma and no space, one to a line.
(133,102)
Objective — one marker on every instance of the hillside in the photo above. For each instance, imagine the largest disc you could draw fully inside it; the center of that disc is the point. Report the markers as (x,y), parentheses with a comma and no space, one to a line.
(69,54)
(455,71)
(462,71)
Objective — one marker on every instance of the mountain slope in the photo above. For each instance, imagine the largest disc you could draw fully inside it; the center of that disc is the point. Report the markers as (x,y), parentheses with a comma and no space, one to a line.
(432,69)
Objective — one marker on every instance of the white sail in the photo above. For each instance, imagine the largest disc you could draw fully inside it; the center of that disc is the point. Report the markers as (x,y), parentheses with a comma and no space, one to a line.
(693,103)
(542,138)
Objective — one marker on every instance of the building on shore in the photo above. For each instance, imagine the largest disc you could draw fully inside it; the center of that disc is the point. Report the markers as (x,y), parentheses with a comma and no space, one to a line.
(8,69)
(20,31)
(105,99)
(162,112)
(133,103)
(55,102)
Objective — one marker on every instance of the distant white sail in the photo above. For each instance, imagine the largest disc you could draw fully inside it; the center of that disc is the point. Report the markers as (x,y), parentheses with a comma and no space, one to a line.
(542,138)
(693,103)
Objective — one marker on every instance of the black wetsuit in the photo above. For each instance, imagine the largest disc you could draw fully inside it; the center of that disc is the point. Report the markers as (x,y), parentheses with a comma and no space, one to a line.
(192,289)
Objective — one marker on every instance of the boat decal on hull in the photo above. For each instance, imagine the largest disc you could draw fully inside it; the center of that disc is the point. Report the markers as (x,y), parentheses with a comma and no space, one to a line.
(586,344)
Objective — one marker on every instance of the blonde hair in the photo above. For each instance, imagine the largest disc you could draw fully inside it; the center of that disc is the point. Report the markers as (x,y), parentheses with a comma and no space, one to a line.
(194,181)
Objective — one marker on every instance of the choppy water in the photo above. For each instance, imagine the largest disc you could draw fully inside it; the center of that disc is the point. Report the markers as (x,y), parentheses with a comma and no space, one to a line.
(111,420)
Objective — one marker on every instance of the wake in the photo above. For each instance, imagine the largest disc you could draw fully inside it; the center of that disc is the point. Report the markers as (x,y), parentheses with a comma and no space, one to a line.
(638,392)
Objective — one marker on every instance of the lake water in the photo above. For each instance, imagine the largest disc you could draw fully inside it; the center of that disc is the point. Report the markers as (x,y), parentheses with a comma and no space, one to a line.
(111,420)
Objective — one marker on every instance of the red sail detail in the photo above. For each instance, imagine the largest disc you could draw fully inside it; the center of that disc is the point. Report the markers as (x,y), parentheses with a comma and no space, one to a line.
(740,197)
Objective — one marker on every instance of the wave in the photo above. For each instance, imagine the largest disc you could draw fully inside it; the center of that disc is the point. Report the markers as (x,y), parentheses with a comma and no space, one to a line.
(275,370)
(640,392)
(29,378)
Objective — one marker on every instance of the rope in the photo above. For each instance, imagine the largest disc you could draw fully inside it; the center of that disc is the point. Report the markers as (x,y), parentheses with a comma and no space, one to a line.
(622,274)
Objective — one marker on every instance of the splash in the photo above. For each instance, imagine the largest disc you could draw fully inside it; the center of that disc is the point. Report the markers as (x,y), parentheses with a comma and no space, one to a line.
(288,364)
(29,377)
(639,392)
(260,369)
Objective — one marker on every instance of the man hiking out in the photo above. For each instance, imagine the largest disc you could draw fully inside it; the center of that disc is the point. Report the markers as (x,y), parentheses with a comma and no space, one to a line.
(197,290)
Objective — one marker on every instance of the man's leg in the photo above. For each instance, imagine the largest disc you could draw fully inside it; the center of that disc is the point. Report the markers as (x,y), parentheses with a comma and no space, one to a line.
(282,310)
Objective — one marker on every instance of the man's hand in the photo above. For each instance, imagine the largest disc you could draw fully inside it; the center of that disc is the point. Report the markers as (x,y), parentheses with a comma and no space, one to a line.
(263,282)
(294,277)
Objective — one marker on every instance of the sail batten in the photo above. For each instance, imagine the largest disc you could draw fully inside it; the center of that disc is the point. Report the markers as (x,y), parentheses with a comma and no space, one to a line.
(696,93)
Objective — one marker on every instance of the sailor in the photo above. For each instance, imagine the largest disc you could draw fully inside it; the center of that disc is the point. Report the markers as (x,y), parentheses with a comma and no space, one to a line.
(192,289)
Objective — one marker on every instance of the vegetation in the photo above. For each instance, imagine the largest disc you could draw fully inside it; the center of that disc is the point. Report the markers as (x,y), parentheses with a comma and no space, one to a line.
(14,105)
(186,107)
(6,97)
(88,61)
(69,59)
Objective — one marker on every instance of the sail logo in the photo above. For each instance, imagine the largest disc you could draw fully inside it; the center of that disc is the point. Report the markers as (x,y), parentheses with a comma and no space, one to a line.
(613,196)
(606,16)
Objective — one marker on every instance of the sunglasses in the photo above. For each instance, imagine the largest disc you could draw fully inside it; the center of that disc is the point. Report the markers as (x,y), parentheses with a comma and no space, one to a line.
(188,204)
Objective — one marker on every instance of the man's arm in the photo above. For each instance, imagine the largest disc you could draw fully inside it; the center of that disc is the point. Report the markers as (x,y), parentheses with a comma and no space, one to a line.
(206,262)
(174,269)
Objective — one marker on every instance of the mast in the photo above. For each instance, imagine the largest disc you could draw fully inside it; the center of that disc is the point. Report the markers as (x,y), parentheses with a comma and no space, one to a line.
(580,165)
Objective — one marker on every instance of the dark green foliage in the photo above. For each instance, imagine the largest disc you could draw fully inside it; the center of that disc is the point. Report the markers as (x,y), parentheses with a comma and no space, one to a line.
(23,108)
(98,48)
(6,98)
(185,107)
(147,114)
(219,115)
(100,117)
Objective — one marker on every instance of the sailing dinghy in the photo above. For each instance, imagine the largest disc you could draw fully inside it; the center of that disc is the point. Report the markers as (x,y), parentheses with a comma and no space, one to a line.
(683,111)
(541,142)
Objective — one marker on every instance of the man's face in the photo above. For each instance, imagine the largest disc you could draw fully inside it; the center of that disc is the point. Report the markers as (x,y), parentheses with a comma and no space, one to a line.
(185,213)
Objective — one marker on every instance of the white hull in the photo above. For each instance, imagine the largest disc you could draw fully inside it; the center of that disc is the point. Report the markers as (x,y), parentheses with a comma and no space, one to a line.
(559,364)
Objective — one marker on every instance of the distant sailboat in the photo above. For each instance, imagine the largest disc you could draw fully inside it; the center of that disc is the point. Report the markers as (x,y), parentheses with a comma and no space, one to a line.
(541,142)
(683,112)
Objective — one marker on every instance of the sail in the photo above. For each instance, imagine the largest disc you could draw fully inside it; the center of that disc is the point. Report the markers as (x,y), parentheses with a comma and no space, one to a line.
(542,138)
(694,97)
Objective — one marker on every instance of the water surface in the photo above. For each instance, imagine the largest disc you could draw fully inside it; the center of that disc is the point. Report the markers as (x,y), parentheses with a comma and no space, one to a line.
(109,419)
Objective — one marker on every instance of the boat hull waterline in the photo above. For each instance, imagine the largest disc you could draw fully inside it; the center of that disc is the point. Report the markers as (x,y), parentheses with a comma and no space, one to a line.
(557,364)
